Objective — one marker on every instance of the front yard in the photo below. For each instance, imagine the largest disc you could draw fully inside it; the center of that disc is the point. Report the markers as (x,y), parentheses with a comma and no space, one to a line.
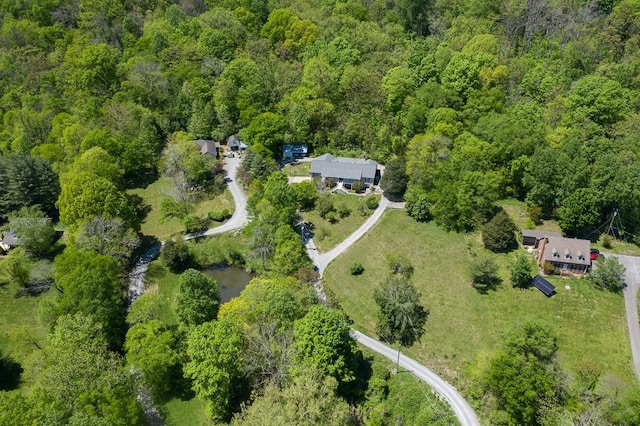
(154,225)
(327,235)
(464,325)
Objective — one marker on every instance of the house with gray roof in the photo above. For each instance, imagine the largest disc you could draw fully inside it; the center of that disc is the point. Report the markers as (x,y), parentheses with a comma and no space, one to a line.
(208,147)
(531,238)
(9,241)
(345,170)
(234,144)
(569,255)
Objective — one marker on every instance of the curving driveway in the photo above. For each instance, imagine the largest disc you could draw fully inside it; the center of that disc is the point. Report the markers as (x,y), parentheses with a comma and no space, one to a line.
(240,217)
(323,260)
(461,408)
(237,221)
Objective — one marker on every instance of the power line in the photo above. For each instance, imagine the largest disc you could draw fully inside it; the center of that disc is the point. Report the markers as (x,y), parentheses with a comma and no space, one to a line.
(436,408)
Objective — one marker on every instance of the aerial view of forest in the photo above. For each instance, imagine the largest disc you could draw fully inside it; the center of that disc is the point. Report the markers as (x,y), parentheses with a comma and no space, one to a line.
(142,152)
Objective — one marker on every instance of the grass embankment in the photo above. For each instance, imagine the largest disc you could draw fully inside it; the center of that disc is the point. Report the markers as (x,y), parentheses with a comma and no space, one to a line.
(464,324)
(162,229)
(298,169)
(328,235)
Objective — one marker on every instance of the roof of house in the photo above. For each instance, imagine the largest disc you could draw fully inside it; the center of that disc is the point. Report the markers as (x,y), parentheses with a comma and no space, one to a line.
(297,149)
(538,234)
(10,239)
(567,250)
(234,142)
(329,166)
(207,146)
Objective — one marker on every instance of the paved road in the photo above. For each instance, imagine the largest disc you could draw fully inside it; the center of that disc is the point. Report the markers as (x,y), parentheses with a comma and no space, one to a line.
(632,279)
(463,411)
(323,260)
(240,217)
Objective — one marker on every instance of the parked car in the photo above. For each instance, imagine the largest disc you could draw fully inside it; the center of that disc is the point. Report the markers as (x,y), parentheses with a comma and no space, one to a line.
(595,254)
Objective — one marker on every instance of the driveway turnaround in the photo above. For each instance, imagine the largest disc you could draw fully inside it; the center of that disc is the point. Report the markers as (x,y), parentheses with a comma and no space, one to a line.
(632,281)
(461,408)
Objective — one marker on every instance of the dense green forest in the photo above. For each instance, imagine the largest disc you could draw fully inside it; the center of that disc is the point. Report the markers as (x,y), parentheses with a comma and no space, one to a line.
(468,102)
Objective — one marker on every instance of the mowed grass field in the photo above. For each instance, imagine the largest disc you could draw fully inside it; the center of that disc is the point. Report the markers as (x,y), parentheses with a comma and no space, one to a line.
(337,232)
(464,325)
(153,195)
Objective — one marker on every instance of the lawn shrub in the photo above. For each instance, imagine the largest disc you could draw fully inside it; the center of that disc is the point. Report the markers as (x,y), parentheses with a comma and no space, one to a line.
(193,223)
(217,215)
(175,255)
(332,217)
(324,205)
(535,214)
(343,210)
(372,203)
(356,268)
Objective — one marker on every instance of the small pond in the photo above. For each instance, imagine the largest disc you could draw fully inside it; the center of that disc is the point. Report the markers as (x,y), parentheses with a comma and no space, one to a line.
(232,280)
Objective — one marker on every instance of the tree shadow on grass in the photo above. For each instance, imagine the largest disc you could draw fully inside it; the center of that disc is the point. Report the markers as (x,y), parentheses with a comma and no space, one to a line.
(10,372)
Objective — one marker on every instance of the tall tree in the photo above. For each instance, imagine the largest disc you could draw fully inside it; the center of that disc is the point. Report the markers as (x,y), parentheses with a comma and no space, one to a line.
(153,350)
(84,377)
(91,284)
(524,376)
(215,351)
(323,342)
(394,180)
(27,181)
(86,195)
(401,317)
(198,298)
(107,236)
(33,230)
(310,400)
(499,234)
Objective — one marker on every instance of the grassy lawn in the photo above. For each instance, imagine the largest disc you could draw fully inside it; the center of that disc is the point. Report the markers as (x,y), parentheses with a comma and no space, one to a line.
(464,324)
(517,210)
(191,412)
(165,284)
(298,169)
(336,232)
(162,229)
(15,314)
